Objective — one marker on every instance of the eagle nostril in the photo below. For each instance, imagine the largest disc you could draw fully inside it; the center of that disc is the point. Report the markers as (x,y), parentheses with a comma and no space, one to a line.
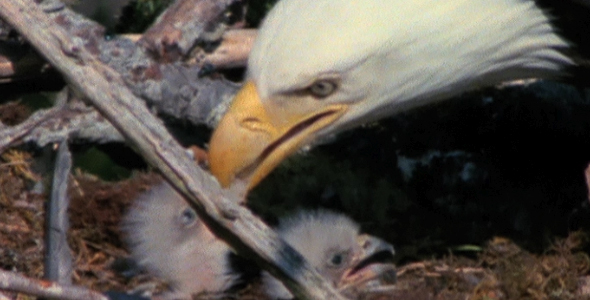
(253,124)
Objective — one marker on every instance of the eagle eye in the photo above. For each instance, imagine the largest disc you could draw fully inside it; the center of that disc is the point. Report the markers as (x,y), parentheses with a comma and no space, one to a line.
(322,88)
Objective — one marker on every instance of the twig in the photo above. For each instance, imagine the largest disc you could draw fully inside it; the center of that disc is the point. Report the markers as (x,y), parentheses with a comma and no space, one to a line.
(10,136)
(59,123)
(105,89)
(58,258)
(233,50)
(183,24)
(11,281)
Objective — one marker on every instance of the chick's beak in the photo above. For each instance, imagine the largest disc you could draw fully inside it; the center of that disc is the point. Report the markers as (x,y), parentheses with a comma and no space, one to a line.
(373,265)
(252,139)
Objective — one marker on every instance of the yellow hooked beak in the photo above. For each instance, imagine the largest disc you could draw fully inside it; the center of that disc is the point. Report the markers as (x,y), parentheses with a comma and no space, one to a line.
(252,139)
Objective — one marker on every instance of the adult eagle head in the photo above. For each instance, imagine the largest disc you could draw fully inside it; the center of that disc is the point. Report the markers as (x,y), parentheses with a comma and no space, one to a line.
(319,67)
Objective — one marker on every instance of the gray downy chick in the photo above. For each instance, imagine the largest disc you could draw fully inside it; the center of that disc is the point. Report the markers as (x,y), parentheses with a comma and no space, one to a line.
(333,245)
(166,237)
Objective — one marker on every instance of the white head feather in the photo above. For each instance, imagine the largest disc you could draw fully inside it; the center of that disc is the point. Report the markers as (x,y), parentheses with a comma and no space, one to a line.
(167,238)
(400,54)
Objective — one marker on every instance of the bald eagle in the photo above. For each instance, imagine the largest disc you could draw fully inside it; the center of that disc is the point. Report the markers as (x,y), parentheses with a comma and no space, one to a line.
(166,237)
(320,67)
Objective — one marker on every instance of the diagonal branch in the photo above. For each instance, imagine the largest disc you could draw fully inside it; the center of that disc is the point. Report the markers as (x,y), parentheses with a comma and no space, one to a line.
(105,89)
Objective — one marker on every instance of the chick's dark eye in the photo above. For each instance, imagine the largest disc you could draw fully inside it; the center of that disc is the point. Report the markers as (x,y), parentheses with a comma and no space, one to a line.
(322,88)
(337,260)
(188,216)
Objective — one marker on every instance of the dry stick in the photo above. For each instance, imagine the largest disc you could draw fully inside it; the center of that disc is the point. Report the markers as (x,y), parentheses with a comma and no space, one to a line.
(58,258)
(11,281)
(56,124)
(105,89)
(232,52)
(175,31)
(11,135)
